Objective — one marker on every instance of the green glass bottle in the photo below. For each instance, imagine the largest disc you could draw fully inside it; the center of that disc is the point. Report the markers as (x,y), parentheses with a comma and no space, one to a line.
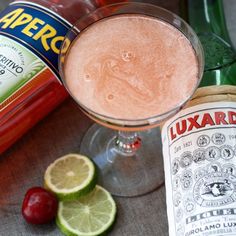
(207,18)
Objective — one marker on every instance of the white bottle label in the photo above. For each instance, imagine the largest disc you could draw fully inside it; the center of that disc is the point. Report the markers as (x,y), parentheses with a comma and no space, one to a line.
(199,149)
(18,66)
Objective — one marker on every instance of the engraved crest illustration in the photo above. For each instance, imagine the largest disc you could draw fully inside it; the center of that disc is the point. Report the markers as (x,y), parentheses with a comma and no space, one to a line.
(203,140)
(175,166)
(179,214)
(189,205)
(213,167)
(229,168)
(199,155)
(227,152)
(212,153)
(199,173)
(177,199)
(218,138)
(180,230)
(215,189)
(176,182)
(186,159)
(186,179)
(218,188)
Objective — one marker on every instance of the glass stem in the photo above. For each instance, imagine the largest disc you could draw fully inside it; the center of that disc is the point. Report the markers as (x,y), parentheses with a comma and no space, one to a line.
(127,142)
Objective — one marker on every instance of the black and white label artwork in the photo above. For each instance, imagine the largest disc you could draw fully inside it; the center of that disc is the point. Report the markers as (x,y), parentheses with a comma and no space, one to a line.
(199,149)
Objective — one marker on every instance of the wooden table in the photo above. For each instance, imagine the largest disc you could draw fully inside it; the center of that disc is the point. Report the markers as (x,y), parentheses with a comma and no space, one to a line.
(24,164)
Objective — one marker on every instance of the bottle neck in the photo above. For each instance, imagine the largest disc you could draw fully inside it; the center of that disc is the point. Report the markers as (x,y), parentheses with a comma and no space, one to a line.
(207,18)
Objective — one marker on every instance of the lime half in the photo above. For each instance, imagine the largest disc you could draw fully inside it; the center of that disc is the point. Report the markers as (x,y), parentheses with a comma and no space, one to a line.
(90,215)
(71,176)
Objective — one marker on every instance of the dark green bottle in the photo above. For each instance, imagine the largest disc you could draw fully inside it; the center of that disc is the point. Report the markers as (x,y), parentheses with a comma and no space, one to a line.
(207,18)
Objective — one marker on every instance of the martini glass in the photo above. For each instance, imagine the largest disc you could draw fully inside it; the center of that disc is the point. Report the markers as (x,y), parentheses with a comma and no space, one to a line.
(127,151)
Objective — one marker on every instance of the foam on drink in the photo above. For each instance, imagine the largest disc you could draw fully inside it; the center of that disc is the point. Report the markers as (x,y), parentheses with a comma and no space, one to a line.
(131,67)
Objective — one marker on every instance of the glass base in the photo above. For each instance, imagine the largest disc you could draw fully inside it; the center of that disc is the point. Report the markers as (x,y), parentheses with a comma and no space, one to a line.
(123,174)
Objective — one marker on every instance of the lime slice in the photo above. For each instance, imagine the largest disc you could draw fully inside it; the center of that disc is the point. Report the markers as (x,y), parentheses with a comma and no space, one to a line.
(70,176)
(90,215)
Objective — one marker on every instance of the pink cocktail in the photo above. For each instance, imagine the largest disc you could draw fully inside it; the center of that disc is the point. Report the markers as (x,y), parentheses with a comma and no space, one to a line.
(130,70)
(131,67)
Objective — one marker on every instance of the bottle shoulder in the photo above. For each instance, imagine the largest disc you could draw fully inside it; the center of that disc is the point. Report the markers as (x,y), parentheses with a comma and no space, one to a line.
(207,18)
(70,10)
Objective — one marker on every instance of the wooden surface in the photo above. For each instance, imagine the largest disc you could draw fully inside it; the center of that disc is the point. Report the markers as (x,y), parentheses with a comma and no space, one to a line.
(24,164)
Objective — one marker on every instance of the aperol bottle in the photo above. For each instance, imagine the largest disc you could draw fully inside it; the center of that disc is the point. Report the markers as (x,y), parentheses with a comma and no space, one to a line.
(31,33)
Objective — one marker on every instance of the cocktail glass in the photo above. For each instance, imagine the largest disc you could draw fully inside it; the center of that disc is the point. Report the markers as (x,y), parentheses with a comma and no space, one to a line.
(128,151)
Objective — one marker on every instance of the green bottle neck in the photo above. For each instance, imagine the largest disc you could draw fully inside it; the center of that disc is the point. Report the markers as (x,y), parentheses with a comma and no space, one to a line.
(207,18)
